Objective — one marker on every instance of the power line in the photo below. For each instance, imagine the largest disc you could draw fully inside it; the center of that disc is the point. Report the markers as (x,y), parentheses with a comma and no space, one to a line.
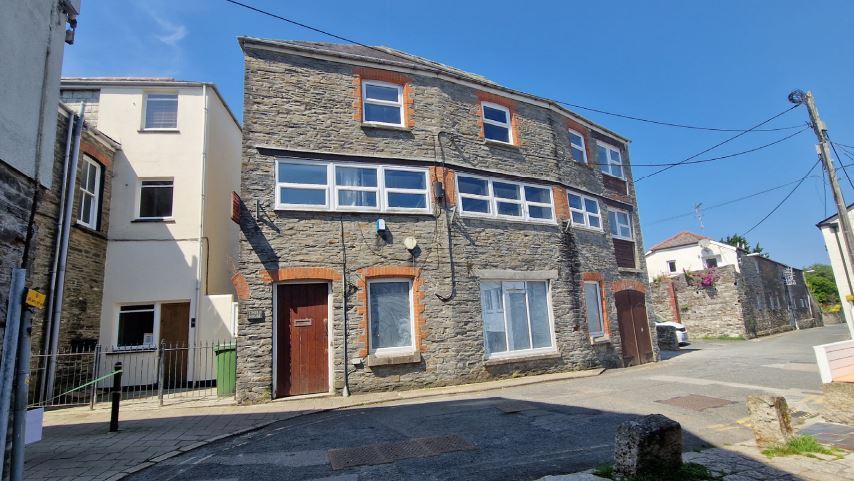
(674,164)
(760,124)
(671,124)
(432,67)
(838,159)
(801,181)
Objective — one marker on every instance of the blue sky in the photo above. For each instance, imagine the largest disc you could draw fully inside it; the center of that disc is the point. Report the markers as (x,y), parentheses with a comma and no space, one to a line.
(726,64)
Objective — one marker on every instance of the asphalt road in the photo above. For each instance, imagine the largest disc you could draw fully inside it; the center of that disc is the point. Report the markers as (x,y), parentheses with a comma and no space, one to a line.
(518,433)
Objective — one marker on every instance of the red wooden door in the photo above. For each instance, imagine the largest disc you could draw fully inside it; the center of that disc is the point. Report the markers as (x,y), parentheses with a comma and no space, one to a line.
(301,339)
(634,327)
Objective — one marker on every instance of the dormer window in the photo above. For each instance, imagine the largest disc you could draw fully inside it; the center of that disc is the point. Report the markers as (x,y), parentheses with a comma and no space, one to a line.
(382,103)
(610,160)
(496,123)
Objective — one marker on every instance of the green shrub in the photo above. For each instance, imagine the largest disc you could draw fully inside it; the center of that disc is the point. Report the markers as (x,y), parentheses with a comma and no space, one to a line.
(803,445)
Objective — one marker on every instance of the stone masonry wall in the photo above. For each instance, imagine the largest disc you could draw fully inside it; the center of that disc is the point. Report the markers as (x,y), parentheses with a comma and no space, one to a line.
(306,104)
(770,305)
(87,248)
(710,311)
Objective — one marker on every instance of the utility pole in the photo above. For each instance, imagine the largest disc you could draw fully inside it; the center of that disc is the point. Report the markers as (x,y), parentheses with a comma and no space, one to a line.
(823,148)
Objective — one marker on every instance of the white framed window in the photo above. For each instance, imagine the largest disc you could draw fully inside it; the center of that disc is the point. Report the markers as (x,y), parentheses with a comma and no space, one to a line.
(137,326)
(517,317)
(318,185)
(671,266)
(620,223)
(496,198)
(610,159)
(391,316)
(90,194)
(496,122)
(382,103)
(593,306)
(155,198)
(161,111)
(584,211)
(577,147)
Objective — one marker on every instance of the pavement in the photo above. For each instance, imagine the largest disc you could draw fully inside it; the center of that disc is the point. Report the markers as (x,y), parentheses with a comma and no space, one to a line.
(521,428)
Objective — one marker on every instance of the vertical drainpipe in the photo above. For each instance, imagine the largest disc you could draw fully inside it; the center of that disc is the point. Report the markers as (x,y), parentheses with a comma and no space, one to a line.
(47,340)
(202,204)
(65,233)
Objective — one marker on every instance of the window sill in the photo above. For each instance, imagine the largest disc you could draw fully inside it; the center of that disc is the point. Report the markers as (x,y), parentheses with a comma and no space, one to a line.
(498,143)
(399,128)
(588,229)
(633,270)
(605,174)
(374,360)
(510,359)
(164,220)
(469,215)
(158,131)
(600,340)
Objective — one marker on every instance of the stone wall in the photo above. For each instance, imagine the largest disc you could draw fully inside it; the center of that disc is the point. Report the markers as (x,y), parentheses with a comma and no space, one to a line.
(16,197)
(705,311)
(279,112)
(84,278)
(770,306)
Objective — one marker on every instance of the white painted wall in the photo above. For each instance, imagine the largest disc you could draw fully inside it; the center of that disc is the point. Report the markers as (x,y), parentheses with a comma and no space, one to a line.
(689,257)
(156,262)
(842,269)
(32,42)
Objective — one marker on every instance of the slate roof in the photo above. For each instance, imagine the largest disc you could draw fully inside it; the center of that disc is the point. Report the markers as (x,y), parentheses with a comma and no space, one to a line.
(683,238)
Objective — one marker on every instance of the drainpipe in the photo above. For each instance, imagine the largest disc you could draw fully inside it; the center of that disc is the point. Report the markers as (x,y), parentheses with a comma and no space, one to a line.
(46,341)
(202,204)
(346,391)
(58,285)
(437,147)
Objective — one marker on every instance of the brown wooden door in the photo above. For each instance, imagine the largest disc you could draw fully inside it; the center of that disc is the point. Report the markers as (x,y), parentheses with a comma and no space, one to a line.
(634,327)
(301,339)
(174,335)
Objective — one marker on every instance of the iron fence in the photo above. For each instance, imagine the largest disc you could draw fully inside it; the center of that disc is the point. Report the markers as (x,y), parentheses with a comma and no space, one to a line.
(165,374)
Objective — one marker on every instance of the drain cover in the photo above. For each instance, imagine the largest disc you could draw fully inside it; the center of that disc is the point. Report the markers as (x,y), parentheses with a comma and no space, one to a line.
(696,402)
(383,453)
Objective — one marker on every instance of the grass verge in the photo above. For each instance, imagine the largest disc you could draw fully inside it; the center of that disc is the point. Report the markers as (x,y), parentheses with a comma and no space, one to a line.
(687,472)
(802,445)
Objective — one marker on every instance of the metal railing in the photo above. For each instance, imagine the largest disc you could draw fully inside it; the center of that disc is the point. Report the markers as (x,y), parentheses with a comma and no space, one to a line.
(165,374)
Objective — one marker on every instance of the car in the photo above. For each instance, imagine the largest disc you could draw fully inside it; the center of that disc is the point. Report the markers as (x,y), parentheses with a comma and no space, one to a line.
(681,332)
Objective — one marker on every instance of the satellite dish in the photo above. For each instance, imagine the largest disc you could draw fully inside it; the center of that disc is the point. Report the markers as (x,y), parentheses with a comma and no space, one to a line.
(704,243)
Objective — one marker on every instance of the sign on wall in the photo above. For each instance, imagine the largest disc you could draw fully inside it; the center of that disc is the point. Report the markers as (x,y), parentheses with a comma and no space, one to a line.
(789,276)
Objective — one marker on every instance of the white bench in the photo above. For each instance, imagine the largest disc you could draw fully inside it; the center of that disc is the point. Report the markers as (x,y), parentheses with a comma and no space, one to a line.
(836,361)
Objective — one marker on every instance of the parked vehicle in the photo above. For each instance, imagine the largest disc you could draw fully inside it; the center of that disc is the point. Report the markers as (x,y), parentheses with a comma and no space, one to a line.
(681,332)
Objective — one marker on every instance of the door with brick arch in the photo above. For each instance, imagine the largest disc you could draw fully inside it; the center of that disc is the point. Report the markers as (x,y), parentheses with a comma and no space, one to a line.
(302,362)
(634,327)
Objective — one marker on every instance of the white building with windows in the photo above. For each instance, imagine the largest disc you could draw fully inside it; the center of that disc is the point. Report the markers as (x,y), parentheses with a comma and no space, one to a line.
(171,242)
(687,251)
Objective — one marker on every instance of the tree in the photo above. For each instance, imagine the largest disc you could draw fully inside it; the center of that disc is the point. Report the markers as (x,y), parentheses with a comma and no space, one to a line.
(822,284)
(738,240)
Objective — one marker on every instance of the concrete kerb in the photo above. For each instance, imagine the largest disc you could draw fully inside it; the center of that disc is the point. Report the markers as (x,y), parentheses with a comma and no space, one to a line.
(402,395)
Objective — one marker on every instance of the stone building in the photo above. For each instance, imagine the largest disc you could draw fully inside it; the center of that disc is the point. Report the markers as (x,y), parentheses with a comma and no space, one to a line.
(32,41)
(406,224)
(717,290)
(78,324)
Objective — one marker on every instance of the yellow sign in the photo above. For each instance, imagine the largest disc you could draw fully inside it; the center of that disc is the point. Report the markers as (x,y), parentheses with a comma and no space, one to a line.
(35,299)
(849,297)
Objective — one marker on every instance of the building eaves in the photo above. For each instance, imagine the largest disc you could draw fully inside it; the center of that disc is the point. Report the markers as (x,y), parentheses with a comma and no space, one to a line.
(386,57)
(83,83)
(105,139)
(830,220)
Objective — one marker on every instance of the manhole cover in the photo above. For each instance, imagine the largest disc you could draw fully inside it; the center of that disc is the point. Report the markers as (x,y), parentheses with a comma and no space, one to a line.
(383,453)
(696,402)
